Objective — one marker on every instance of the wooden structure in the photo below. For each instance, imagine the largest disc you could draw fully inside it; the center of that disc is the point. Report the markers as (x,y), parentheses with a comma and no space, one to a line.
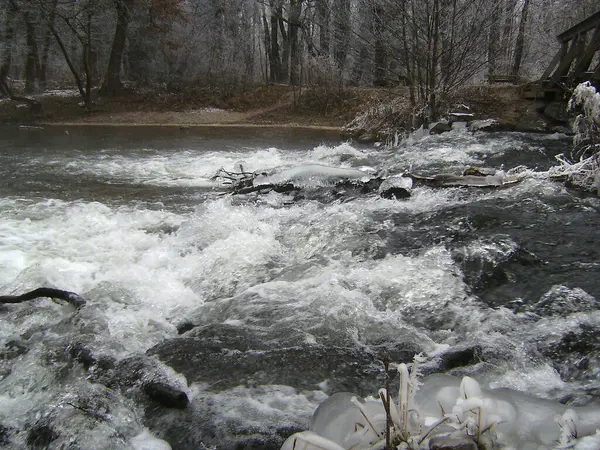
(573,62)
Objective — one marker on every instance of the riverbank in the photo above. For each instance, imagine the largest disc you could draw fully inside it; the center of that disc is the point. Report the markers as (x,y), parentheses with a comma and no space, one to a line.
(380,112)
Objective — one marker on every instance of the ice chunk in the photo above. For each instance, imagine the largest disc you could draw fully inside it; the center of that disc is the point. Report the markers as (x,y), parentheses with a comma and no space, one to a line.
(311,175)
(146,441)
(307,440)
(517,419)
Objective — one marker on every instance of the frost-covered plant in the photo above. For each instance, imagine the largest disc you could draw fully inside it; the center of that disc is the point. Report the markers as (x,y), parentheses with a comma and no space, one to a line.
(456,416)
(474,414)
(587,123)
(584,173)
(568,429)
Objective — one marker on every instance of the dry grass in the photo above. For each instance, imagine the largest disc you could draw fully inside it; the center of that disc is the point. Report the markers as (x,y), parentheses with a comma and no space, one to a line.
(265,104)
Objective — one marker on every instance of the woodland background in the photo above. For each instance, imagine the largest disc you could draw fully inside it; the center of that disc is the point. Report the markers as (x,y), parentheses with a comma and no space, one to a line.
(430,46)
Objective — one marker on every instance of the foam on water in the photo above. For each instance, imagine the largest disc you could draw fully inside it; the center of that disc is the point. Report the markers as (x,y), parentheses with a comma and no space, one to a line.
(320,270)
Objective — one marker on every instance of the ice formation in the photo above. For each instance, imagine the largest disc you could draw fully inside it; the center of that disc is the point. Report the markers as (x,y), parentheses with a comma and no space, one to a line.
(311,175)
(449,408)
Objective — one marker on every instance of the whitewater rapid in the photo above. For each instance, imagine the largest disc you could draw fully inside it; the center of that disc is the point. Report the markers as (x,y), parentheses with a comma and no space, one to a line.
(146,235)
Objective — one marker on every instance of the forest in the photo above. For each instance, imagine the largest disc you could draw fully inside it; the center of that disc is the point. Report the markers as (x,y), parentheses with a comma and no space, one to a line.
(430,46)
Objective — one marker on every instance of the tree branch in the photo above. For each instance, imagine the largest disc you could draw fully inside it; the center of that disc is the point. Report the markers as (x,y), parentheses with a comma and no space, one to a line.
(70,297)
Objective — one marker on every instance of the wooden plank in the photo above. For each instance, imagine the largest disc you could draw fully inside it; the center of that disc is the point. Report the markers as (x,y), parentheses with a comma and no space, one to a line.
(561,53)
(585,25)
(567,60)
(588,54)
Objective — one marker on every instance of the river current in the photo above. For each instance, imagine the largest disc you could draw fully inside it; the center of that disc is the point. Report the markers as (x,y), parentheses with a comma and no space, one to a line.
(260,306)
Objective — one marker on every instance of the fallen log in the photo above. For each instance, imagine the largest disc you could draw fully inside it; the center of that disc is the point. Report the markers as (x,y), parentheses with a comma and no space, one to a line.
(70,297)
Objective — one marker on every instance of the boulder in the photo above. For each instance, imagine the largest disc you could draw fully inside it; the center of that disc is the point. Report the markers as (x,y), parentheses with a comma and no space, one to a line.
(440,127)
(558,111)
(484,125)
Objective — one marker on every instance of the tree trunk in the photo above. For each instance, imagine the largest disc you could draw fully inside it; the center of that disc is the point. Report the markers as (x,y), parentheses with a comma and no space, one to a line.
(267,44)
(275,61)
(323,24)
(43,67)
(294,27)
(493,40)
(32,58)
(432,101)
(285,44)
(341,23)
(112,80)
(520,44)
(380,72)
(9,34)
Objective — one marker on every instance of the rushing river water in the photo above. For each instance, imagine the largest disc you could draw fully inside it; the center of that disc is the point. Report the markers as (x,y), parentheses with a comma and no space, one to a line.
(258,307)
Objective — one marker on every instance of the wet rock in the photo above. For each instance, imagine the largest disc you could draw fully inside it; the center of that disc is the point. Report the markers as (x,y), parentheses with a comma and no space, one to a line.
(576,354)
(166,395)
(395,193)
(479,171)
(484,125)
(558,111)
(83,355)
(452,443)
(203,427)
(561,300)
(533,122)
(185,327)
(396,187)
(562,129)
(4,435)
(13,349)
(440,127)
(228,356)
(460,357)
(40,437)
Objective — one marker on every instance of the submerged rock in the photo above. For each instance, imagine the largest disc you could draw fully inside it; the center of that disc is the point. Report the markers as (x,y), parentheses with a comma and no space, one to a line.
(166,395)
(484,125)
(440,127)
(396,187)
(558,111)
(561,300)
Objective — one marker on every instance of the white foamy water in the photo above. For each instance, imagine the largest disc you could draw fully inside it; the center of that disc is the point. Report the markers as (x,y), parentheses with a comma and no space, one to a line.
(357,272)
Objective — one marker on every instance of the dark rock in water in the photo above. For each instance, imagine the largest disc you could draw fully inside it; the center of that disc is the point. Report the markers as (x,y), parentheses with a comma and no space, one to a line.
(561,129)
(230,356)
(195,428)
(232,362)
(460,357)
(484,125)
(13,349)
(82,354)
(40,437)
(561,300)
(184,327)
(440,127)
(395,193)
(479,171)
(576,355)
(396,187)
(166,395)
(493,261)
(4,435)
(451,443)
(558,111)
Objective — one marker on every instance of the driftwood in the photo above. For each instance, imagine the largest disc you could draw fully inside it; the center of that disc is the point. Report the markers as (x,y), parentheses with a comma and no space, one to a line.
(396,186)
(449,180)
(70,297)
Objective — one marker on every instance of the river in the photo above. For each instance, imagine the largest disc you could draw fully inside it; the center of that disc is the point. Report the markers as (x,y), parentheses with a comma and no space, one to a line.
(258,307)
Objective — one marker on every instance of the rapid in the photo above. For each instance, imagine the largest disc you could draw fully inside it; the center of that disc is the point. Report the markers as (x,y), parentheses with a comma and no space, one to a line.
(258,307)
